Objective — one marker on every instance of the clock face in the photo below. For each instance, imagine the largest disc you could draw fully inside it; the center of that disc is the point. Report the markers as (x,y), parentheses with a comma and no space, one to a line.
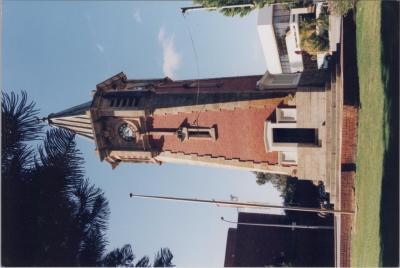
(126,132)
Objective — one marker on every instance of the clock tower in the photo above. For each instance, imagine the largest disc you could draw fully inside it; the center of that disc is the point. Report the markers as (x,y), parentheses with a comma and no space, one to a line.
(254,122)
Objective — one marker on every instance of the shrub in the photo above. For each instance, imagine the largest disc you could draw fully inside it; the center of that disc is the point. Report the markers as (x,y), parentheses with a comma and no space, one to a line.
(341,7)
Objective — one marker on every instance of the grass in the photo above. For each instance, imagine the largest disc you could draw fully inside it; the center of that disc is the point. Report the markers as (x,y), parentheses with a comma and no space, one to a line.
(375,239)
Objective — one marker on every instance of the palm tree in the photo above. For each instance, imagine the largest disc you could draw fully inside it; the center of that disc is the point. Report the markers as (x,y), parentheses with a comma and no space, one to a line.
(120,257)
(163,258)
(19,126)
(91,216)
(51,215)
(124,257)
(71,215)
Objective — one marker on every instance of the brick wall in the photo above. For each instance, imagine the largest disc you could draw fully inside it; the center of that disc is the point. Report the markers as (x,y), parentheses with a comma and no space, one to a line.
(348,172)
(349,134)
(240,134)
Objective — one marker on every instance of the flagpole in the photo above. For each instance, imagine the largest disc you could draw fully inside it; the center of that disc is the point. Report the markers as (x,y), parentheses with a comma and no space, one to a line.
(235,204)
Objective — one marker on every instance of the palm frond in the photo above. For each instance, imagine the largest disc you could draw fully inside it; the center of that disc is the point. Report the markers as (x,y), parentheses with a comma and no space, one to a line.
(61,158)
(93,248)
(84,195)
(19,119)
(100,212)
(18,125)
(120,257)
(128,255)
(163,258)
(92,207)
(17,163)
(143,262)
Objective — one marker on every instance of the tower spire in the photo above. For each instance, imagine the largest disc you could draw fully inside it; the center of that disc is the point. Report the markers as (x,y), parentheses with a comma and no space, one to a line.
(76,119)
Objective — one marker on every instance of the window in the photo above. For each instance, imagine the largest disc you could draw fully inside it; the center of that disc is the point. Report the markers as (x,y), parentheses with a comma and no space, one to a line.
(118,102)
(295,135)
(187,133)
(123,101)
(199,133)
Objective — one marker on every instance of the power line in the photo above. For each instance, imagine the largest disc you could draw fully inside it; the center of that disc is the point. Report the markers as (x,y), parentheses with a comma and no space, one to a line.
(197,64)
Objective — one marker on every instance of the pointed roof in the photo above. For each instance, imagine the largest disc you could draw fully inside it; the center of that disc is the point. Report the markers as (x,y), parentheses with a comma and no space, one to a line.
(76,119)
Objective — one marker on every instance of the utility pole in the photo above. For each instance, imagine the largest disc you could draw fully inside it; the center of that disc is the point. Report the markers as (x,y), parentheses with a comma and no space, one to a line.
(187,9)
(236,204)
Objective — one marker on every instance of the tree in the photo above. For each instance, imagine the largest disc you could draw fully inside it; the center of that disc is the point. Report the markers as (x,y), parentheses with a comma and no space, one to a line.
(277,180)
(121,257)
(284,184)
(241,11)
(342,7)
(314,32)
(19,126)
(124,257)
(163,258)
(51,215)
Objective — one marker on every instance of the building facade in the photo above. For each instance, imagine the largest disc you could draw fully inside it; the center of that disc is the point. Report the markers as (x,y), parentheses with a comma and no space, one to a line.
(261,246)
(279,32)
(267,123)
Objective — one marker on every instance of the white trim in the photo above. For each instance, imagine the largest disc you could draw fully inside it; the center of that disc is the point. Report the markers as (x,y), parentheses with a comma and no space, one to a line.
(289,158)
(271,146)
(286,115)
(272,81)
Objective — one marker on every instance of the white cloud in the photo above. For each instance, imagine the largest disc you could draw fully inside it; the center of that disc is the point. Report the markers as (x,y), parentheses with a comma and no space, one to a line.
(137,16)
(100,47)
(171,58)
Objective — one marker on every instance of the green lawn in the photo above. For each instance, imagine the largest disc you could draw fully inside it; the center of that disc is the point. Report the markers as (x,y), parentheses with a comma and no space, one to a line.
(374,239)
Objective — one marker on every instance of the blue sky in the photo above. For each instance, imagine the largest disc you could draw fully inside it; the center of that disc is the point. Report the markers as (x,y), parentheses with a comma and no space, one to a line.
(58,52)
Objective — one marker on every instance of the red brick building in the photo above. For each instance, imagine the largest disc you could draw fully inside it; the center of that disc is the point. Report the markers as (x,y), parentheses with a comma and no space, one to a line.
(262,123)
